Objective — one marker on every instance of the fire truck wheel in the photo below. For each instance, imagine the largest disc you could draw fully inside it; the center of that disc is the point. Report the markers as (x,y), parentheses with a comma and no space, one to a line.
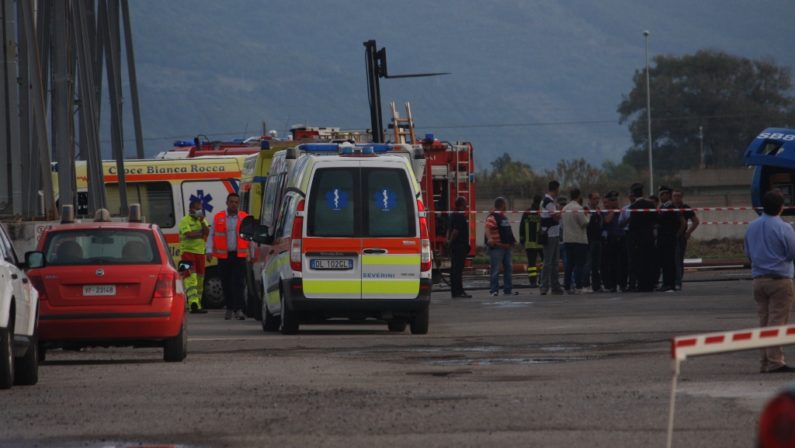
(213,292)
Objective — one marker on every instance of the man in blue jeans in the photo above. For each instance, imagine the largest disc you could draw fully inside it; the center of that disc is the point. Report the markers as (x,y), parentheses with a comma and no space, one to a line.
(500,240)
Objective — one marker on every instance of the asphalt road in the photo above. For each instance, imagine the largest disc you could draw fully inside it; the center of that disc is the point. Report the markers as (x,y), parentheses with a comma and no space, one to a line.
(527,370)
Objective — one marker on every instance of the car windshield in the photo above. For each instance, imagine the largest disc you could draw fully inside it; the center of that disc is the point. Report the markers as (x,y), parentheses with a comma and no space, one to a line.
(101,246)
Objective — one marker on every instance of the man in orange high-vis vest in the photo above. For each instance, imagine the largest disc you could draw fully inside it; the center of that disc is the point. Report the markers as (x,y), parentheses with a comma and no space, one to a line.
(225,244)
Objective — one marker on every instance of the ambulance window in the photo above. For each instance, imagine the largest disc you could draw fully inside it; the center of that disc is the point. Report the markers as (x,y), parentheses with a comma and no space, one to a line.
(285,224)
(332,203)
(156,199)
(269,201)
(244,199)
(389,208)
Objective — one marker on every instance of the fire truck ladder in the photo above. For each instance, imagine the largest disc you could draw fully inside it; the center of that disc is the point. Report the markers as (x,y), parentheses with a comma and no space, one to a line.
(403,128)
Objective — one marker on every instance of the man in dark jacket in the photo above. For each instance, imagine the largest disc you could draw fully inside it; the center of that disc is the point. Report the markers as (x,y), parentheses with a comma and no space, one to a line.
(458,241)
(595,226)
(641,227)
(670,224)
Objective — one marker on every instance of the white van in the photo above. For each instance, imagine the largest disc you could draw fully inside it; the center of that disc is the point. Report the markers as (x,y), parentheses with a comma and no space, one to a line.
(348,240)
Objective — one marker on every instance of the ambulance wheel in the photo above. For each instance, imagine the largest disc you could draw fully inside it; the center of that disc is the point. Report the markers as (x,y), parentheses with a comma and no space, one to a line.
(396,325)
(26,370)
(7,356)
(253,308)
(288,324)
(419,322)
(176,349)
(213,292)
(270,322)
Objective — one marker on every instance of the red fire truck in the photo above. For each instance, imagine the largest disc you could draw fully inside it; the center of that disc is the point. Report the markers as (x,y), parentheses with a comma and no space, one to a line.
(449,173)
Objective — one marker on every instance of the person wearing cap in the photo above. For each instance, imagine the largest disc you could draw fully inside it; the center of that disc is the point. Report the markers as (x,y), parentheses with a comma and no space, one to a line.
(614,253)
(770,245)
(669,226)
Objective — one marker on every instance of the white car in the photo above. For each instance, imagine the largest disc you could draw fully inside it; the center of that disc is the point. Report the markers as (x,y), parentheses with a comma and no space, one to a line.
(19,302)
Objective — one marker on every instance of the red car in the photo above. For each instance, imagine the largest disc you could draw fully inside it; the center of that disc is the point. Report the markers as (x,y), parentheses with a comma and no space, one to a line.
(109,284)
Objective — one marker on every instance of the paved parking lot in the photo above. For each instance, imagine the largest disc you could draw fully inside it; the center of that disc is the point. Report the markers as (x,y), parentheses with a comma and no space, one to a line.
(526,370)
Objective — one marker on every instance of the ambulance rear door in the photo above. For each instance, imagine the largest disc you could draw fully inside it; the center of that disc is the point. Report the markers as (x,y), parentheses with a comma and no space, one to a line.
(331,246)
(391,237)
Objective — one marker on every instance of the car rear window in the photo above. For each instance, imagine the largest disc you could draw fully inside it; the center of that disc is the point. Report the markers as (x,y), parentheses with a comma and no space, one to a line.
(332,203)
(101,246)
(390,205)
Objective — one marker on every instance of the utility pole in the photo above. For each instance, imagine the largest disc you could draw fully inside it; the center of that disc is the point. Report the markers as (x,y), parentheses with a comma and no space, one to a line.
(702,162)
(648,112)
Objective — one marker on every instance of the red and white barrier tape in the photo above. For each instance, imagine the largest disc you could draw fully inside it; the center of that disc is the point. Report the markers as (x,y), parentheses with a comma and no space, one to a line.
(709,343)
(634,210)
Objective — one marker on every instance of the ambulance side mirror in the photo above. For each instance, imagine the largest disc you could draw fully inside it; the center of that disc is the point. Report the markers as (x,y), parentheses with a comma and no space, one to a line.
(250,230)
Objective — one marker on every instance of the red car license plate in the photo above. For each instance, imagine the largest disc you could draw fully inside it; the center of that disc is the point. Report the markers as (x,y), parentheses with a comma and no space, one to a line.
(99,290)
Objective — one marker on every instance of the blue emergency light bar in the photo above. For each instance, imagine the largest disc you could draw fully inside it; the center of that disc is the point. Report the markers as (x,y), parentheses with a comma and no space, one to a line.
(376,147)
(366,148)
(183,143)
(319,147)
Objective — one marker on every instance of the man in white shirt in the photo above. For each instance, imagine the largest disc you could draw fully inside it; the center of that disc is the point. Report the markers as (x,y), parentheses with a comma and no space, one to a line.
(575,220)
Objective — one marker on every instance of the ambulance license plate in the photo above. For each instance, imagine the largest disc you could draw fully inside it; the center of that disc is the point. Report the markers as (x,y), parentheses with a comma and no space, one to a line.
(331,264)
(99,290)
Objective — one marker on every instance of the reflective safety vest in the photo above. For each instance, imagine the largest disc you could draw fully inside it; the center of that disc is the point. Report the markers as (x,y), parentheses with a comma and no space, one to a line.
(220,249)
(529,229)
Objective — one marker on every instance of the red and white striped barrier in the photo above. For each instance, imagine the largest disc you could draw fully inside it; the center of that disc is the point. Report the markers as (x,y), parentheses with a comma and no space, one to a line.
(710,343)
(634,210)
(683,347)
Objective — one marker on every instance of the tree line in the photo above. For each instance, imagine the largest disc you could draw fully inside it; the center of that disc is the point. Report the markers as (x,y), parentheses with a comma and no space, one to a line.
(706,108)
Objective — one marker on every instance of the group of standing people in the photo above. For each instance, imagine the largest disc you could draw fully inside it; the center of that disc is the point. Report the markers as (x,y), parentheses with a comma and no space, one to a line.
(199,243)
(606,247)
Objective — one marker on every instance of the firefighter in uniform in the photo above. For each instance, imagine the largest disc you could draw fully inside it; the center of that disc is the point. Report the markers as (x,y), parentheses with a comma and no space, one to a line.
(529,228)
(231,250)
(193,231)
